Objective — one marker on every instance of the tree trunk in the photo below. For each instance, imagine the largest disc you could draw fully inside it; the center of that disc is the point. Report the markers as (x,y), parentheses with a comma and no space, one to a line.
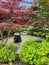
(2,37)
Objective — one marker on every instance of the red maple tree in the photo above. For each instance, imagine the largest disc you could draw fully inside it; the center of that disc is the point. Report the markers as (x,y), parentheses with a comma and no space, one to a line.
(12,8)
(9,9)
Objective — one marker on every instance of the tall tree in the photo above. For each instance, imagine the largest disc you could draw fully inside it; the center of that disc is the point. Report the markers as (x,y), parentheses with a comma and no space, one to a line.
(11,8)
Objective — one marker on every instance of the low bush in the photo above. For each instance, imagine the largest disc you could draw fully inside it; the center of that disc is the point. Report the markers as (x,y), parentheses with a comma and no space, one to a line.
(35,53)
(21,29)
(8,53)
(47,37)
(39,33)
(5,33)
(1,45)
(43,35)
(30,30)
(11,47)
(34,33)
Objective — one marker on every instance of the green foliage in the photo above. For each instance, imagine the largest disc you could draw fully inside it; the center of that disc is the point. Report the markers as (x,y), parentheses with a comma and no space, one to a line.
(12,47)
(5,33)
(30,28)
(35,33)
(21,29)
(39,33)
(45,9)
(43,35)
(35,53)
(1,45)
(42,14)
(8,53)
(47,37)
(10,32)
(30,32)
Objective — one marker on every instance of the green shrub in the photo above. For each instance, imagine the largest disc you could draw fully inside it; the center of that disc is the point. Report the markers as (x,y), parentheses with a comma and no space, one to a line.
(30,32)
(21,29)
(1,45)
(39,33)
(35,33)
(12,47)
(30,28)
(43,35)
(5,33)
(47,37)
(35,53)
(8,53)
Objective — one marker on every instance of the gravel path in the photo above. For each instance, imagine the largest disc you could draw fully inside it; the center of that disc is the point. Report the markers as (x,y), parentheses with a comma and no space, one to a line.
(24,37)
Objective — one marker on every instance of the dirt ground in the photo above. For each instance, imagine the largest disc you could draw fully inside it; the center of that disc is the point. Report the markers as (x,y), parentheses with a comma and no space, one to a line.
(18,62)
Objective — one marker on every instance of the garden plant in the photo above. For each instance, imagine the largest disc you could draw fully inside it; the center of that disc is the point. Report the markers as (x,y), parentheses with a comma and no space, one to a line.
(35,53)
(15,15)
(8,53)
